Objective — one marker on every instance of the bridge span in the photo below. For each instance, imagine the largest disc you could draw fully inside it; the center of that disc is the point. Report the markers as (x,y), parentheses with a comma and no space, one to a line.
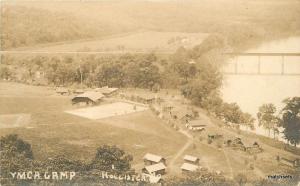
(258,63)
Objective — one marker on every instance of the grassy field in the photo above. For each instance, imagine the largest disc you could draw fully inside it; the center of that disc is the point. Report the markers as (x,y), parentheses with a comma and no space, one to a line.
(52,132)
(135,42)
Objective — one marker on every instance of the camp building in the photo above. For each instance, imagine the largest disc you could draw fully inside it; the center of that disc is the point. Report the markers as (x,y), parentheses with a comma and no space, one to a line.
(62,91)
(196,125)
(150,159)
(187,167)
(155,169)
(107,91)
(78,91)
(191,159)
(89,98)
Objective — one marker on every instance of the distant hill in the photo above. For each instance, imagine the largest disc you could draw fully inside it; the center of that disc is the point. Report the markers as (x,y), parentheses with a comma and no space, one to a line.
(30,23)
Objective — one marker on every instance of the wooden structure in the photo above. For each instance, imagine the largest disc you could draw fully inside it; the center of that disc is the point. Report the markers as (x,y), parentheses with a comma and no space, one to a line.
(89,98)
(196,125)
(150,159)
(191,159)
(187,168)
(155,169)
(255,148)
(107,91)
(78,91)
(146,99)
(62,91)
(237,144)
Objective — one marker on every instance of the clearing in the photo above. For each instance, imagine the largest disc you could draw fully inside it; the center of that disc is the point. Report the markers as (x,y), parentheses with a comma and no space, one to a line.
(108,110)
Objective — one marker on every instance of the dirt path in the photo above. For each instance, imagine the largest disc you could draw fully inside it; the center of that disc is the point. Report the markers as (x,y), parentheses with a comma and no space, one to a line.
(171,166)
(228,163)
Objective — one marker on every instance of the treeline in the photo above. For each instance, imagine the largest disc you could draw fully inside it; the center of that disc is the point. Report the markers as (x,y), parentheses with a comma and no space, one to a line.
(288,118)
(140,71)
(47,22)
(201,78)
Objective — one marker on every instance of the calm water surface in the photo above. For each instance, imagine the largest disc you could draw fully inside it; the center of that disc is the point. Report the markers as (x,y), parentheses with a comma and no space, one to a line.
(251,91)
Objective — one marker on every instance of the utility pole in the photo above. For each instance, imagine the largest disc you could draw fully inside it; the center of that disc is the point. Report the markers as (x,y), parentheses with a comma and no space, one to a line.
(80,71)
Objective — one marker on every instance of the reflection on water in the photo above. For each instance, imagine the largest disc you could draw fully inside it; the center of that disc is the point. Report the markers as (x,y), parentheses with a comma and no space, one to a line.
(251,91)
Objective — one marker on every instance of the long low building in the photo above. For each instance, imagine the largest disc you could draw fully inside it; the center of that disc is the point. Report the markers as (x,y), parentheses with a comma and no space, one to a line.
(150,159)
(88,98)
(107,91)
(191,159)
(155,169)
(196,125)
(187,167)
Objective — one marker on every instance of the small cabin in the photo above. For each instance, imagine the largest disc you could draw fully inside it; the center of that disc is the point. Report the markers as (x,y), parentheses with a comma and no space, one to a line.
(150,159)
(62,91)
(78,91)
(187,168)
(237,144)
(107,91)
(195,125)
(191,159)
(155,169)
(146,99)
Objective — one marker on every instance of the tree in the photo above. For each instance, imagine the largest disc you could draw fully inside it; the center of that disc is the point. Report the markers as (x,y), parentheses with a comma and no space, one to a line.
(16,155)
(266,117)
(110,75)
(112,159)
(5,72)
(291,120)
(63,163)
(13,145)
(232,113)
(248,120)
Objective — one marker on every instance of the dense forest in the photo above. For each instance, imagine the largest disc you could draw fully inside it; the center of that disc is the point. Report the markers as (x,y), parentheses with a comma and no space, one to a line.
(27,24)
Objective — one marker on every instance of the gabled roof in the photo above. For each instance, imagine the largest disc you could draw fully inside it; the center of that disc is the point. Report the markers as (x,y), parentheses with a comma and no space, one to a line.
(197,123)
(78,91)
(189,167)
(105,90)
(95,96)
(190,158)
(155,167)
(153,157)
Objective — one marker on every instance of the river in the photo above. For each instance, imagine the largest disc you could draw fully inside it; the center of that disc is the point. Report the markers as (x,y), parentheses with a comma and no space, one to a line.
(251,91)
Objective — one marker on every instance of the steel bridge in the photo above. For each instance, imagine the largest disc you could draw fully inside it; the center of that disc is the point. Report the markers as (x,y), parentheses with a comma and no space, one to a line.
(258,62)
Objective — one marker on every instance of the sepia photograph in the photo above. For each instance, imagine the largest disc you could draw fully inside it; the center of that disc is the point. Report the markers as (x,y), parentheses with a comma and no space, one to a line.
(149,92)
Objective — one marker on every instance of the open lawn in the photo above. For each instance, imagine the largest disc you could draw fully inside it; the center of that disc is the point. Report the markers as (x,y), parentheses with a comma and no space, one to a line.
(51,131)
